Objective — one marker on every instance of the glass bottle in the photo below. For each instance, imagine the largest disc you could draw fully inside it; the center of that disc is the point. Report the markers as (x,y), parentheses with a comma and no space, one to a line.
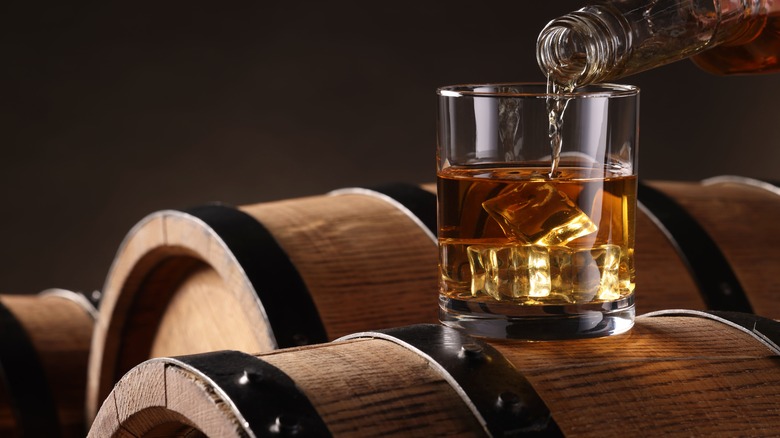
(612,39)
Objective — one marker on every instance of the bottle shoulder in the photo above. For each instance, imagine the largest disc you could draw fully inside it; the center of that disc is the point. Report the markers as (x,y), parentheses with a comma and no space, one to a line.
(756,55)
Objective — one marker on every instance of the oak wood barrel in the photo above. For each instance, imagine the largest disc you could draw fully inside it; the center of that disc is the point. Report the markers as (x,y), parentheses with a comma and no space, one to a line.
(308,270)
(265,276)
(723,230)
(685,373)
(44,347)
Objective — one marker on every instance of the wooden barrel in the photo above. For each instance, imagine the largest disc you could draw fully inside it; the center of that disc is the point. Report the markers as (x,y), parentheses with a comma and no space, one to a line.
(721,237)
(676,373)
(265,276)
(308,270)
(44,347)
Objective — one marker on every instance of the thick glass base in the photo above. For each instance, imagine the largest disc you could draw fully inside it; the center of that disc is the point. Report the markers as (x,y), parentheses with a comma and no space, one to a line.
(537,322)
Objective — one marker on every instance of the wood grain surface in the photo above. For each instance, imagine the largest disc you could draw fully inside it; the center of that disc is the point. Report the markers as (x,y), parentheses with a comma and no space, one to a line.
(175,287)
(669,376)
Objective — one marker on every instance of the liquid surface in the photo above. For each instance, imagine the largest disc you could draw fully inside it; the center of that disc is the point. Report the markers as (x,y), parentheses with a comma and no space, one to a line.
(515,235)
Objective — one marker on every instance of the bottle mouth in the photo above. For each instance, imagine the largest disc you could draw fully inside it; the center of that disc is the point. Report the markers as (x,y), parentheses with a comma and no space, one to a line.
(562,54)
(583,47)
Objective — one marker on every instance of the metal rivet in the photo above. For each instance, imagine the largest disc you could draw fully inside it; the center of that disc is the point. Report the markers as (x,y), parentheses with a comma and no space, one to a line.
(250,376)
(508,398)
(510,402)
(471,351)
(286,424)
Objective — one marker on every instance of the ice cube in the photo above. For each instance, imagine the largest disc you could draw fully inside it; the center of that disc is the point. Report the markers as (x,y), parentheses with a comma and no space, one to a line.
(546,273)
(609,262)
(513,271)
(561,272)
(538,213)
(477,261)
(539,272)
(492,270)
(597,273)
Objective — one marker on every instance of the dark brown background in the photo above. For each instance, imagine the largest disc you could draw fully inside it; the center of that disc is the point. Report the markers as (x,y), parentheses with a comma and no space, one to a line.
(114,110)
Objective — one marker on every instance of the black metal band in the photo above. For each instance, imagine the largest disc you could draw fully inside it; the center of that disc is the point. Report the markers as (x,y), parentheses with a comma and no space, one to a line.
(500,397)
(765,330)
(268,399)
(23,376)
(420,202)
(717,282)
(291,312)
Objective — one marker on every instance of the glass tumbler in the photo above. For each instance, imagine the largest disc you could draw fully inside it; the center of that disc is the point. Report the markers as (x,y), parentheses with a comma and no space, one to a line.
(536,209)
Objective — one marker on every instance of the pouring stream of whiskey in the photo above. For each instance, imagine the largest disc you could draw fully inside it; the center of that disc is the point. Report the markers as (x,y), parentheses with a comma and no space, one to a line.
(556,107)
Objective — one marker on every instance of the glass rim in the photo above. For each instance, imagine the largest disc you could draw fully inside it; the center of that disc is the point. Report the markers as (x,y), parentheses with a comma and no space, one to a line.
(537,90)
